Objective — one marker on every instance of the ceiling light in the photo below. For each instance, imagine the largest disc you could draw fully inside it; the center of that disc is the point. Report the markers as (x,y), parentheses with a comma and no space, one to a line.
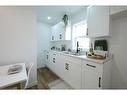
(48,17)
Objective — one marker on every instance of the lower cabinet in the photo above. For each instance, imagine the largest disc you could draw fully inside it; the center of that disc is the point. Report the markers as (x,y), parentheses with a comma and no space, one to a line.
(70,71)
(75,75)
(62,67)
(72,74)
(47,57)
(80,74)
(95,75)
(91,75)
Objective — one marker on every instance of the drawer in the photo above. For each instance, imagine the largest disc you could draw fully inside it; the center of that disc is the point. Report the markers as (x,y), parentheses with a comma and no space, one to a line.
(75,60)
(95,67)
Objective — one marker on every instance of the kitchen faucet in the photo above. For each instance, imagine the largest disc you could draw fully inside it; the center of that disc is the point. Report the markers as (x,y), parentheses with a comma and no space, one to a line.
(77,47)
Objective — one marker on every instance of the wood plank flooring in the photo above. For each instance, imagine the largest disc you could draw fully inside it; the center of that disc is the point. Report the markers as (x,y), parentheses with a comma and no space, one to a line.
(44,76)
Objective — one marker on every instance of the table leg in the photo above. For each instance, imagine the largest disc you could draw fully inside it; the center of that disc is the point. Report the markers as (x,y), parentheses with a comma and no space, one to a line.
(19,86)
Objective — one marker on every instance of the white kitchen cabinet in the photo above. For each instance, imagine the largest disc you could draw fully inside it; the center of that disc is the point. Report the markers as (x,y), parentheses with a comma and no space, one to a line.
(49,65)
(52,62)
(47,58)
(98,21)
(72,71)
(53,33)
(75,75)
(81,73)
(95,75)
(60,33)
(69,69)
(117,12)
(60,65)
(117,9)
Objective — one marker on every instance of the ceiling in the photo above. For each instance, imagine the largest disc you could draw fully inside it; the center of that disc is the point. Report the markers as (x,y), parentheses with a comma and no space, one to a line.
(56,13)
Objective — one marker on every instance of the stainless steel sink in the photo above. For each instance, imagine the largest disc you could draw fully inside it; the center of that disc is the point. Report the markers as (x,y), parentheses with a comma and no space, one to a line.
(76,54)
(72,53)
(66,52)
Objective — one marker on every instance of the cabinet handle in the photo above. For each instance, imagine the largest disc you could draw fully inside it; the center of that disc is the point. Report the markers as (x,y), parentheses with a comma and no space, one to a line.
(60,36)
(54,54)
(47,56)
(91,65)
(99,82)
(87,32)
(52,37)
(53,60)
(67,66)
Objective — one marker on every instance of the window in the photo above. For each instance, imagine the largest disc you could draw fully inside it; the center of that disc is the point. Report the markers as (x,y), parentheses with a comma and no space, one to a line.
(79,34)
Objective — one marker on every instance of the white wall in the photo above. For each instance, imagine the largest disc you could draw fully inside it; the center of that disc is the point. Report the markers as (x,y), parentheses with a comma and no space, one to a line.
(18,37)
(118,46)
(43,42)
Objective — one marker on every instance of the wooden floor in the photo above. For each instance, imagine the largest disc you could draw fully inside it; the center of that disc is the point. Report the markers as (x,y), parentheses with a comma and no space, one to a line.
(44,76)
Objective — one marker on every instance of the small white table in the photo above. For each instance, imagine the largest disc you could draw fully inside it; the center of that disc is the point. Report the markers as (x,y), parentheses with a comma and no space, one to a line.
(17,78)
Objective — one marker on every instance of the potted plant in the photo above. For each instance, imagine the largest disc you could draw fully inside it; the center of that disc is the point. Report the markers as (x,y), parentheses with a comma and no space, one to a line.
(65,20)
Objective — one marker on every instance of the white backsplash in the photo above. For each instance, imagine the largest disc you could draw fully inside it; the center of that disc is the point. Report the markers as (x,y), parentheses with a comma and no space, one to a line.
(58,44)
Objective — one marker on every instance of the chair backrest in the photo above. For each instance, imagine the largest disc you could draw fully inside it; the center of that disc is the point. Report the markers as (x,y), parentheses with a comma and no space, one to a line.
(28,68)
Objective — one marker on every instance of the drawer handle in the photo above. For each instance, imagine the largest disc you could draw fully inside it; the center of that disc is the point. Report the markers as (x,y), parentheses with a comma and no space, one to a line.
(91,65)
(87,32)
(67,66)
(99,82)
(47,57)
(60,36)
(53,60)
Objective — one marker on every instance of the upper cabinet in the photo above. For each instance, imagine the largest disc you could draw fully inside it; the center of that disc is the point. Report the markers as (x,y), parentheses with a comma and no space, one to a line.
(53,33)
(117,12)
(117,9)
(98,21)
(59,32)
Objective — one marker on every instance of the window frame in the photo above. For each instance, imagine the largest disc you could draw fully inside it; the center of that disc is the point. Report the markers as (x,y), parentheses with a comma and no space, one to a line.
(83,36)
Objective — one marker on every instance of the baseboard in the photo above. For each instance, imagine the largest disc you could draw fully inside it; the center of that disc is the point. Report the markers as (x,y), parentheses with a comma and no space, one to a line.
(32,84)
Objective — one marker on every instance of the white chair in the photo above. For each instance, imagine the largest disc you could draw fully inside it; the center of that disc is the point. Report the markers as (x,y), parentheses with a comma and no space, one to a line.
(28,68)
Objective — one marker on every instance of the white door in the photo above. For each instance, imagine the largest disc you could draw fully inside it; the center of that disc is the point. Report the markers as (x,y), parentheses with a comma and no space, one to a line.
(91,75)
(98,21)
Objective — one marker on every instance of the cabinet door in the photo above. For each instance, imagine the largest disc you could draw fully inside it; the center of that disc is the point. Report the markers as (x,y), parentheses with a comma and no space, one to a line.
(91,75)
(61,67)
(75,75)
(46,53)
(54,33)
(49,65)
(61,31)
(53,62)
(98,21)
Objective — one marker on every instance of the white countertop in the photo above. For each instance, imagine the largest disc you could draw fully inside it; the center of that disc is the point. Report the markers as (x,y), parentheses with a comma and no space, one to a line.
(84,57)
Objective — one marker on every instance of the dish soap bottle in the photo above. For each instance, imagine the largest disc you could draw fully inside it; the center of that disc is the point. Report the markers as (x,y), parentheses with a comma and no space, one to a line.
(91,49)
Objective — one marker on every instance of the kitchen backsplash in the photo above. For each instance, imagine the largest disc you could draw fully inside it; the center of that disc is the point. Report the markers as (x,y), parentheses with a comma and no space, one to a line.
(59,44)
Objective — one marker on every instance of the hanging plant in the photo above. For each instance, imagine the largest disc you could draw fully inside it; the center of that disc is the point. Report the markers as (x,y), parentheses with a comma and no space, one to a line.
(65,20)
